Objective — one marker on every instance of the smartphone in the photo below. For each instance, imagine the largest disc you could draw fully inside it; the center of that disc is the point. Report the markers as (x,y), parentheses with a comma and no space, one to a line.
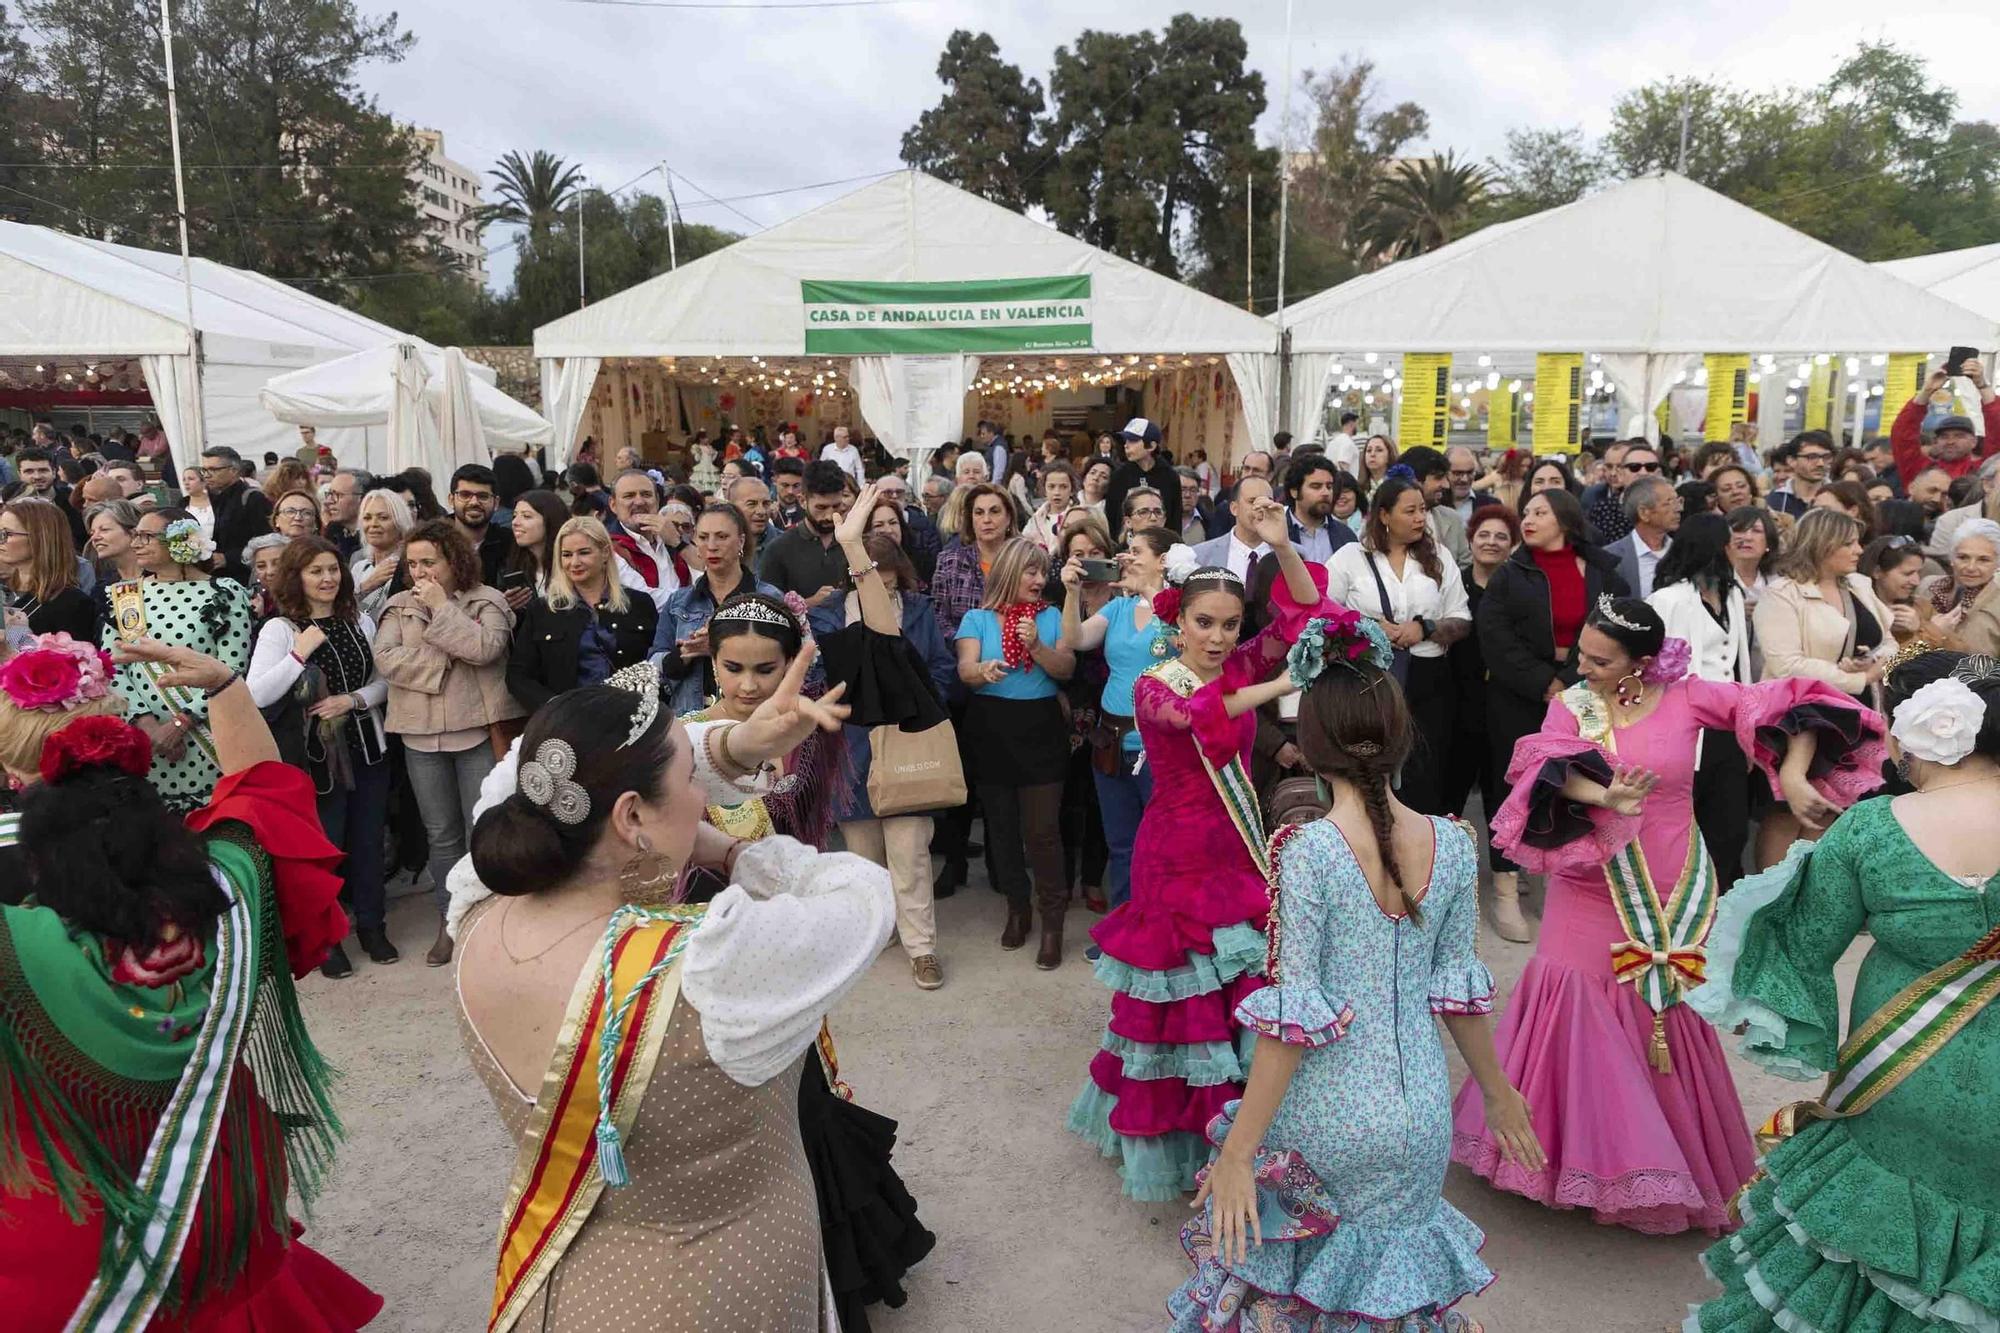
(1099,571)
(513,578)
(1955,363)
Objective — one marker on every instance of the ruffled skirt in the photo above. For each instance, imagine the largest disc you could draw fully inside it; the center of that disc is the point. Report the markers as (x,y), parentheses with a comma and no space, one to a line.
(1832,1240)
(1319,1273)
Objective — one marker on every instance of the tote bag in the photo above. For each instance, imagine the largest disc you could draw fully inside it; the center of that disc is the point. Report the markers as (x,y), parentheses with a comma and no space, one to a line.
(913,771)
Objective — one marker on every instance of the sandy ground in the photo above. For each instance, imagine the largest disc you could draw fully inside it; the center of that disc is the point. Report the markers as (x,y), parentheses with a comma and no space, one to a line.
(1032,1231)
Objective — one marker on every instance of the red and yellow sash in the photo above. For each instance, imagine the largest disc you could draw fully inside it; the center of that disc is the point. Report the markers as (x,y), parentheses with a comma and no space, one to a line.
(556,1178)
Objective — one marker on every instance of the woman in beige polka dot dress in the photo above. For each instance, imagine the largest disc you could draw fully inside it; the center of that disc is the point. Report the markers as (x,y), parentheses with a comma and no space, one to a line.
(716,1227)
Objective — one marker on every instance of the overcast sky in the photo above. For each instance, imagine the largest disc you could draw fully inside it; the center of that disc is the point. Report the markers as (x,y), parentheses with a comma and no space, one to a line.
(768,100)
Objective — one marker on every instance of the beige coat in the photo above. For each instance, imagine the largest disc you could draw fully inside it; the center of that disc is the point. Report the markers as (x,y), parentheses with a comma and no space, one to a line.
(1801,633)
(447,672)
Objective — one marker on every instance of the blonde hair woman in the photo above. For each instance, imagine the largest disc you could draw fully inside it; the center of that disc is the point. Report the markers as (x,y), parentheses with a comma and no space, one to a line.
(584,627)
(384,519)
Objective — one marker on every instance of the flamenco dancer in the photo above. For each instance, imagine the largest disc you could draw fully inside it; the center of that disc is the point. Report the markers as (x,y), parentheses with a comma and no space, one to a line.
(1190,943)
(160,1092)
(1632,1100)
(1878,1206)
(1342,1137)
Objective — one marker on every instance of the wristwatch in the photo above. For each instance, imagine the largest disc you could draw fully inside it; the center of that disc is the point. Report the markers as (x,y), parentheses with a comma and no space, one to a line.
(1427,625)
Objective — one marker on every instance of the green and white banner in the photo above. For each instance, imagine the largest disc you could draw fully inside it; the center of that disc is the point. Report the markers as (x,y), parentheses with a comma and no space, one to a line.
(991,315)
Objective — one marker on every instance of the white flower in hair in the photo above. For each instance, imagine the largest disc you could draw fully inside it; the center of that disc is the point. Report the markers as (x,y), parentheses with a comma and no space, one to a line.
(1940,722)
(1180,563)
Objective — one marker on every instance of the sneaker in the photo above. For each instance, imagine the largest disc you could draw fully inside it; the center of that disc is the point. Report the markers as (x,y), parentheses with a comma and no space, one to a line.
(928,972)
(375,943)
(336,965)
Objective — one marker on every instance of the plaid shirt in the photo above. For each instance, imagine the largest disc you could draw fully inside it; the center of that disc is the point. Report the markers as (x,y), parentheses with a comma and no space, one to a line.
(958,586)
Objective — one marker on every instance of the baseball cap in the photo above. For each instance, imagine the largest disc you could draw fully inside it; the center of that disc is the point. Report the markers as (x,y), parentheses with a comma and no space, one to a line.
(1954,423)
(1138,428)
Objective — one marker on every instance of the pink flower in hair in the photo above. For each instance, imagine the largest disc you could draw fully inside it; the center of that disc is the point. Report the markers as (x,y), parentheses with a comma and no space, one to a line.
(797,606)
(1670,663)
(1167,604)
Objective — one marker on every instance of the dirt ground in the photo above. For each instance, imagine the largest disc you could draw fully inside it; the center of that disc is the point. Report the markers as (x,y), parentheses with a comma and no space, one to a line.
(1033,1233)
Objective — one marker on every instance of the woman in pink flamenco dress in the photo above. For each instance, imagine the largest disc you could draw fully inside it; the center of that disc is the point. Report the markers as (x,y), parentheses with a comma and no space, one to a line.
(1189,945)
(1632,1099)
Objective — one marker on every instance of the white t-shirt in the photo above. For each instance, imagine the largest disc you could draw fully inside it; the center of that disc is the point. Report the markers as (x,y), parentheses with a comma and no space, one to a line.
(1344,453)
(849,460)
(1350,582)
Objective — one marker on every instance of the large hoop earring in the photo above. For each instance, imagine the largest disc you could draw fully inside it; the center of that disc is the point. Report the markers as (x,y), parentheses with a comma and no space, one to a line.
(648,878)
(1631,698)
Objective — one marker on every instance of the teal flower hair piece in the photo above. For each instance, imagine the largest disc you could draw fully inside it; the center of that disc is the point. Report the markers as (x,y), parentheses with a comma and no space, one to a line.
(1347,639)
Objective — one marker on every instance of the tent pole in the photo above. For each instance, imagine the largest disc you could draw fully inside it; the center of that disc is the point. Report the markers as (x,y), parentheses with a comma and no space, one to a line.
(673,219)
(582,295)
(1249,241)
(180,207)
(1284,225)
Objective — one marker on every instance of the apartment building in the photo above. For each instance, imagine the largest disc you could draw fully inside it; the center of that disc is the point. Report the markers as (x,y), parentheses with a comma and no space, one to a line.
(447,193)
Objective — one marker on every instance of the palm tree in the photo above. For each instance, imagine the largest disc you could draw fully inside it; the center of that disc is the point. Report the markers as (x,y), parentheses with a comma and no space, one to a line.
(533,191)
(1423,205)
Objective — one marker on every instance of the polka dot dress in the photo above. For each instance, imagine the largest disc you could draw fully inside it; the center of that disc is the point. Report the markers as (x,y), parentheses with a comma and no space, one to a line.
(210,616)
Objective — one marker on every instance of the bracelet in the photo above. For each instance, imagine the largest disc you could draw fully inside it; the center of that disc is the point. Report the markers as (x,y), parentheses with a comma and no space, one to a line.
(717,744)
(730,855)
(179,722)
(233,678)
(866,569)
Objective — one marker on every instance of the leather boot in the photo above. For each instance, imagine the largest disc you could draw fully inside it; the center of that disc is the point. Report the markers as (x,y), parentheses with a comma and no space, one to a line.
(1049,956)
(440,953)
(1053,903)
(1016,933)
(1508,921)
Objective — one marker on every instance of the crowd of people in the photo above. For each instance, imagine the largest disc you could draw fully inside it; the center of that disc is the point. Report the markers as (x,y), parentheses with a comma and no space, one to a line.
(622,716)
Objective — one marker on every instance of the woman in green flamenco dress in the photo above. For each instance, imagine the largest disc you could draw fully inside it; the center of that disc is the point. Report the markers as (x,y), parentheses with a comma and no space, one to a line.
(1878,1208)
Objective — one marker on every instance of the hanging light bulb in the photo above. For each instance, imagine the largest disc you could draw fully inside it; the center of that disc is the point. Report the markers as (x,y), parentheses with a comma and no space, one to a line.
(1485,360)
(1369,358)
(1821,359)
(1791,400)
(1492,379)
(1853,365)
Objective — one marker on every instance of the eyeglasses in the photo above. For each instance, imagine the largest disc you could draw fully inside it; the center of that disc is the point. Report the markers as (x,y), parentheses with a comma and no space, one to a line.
(472,495)
(1642,467)
(216,467)
(9,534)
(296,511)
(141,537)
(1813,457)
(1149,511)
(1457,475)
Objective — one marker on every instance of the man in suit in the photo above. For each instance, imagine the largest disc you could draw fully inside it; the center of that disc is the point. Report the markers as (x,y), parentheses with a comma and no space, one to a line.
(1309,485)
(241,510)
(1653,508)
(1447,528)
(1238,549)
(1462,467)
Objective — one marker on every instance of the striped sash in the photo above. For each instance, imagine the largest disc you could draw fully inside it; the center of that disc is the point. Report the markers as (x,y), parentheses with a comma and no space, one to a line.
(1232,784)
(130,1284)
(557,1179)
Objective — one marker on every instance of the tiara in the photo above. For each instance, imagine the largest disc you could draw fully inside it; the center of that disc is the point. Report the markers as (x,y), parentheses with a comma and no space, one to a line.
(643,679)
(1975,668)
(1605,611)
(753,612)
(1219,573)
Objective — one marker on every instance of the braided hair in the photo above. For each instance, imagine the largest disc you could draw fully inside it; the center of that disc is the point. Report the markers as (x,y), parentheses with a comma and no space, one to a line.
(1354,725)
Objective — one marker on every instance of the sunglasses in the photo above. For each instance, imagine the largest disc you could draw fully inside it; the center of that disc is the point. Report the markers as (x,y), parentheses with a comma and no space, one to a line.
(1642,467)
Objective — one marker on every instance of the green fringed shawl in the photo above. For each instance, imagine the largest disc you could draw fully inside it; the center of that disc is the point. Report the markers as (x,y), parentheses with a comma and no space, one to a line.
(87,1065)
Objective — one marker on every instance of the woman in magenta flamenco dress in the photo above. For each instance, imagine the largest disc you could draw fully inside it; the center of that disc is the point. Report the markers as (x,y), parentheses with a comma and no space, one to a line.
(1633,1102)
(1189,945)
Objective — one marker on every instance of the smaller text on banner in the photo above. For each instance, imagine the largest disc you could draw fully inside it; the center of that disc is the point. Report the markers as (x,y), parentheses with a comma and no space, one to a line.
(1500,430)
(1900,381)
(917,318)
(1425,414)
(1558,402)
(1728,394)
(1819,396)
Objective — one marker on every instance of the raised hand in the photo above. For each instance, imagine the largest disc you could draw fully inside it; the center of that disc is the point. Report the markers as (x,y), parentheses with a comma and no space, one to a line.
(1629,789)
(853,524)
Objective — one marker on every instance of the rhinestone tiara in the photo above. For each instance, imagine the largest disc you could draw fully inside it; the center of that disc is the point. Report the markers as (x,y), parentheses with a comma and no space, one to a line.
(754,612)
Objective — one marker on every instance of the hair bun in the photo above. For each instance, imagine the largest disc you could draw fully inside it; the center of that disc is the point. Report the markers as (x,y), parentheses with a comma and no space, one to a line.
(517,849)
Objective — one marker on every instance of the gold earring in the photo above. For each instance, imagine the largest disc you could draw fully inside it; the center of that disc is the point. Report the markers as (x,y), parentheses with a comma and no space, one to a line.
(1638,693)
(647,879)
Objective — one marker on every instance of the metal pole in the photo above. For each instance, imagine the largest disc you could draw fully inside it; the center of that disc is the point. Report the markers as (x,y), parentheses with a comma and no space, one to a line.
(1250,241)
(1285,164)
(187,260)
(1687,112)
(582,295)
(673,219)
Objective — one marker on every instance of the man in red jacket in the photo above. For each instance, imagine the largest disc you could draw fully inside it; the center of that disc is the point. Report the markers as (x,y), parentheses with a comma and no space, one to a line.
(1953,445)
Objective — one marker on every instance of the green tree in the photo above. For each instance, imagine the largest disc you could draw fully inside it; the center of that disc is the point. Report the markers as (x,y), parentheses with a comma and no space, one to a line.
(1349,139)
(291,170)
(1149,140)
(1545,169)
(981,135)
(15,70)
(532,191)
(1423,205)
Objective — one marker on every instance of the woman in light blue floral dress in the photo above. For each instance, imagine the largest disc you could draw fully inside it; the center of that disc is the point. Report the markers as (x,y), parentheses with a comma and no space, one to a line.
(1325,1201)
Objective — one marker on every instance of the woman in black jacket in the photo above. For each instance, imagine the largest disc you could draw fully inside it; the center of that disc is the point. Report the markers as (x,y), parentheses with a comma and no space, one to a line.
(584,627)
(1529,618)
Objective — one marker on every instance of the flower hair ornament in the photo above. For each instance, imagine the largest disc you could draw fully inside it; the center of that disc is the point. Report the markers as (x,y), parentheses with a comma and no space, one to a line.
(1940,723)
(1401,472)
(548,781)
(95,742)
(1345,639)
(186,544)
(1669,664)
(56,672)
(643,679)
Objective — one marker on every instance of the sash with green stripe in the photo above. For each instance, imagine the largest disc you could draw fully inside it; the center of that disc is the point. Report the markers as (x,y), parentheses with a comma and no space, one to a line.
(1232,784)
(133,1279)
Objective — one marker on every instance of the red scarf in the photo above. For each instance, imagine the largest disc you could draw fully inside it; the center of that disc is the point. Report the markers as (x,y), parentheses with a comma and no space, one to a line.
(1013,650)
(649,569)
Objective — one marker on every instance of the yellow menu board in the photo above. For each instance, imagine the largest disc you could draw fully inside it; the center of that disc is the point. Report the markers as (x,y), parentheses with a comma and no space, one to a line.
(1558,427)
(1501,432)
(1901,381)
(1424,416)
(1728,394)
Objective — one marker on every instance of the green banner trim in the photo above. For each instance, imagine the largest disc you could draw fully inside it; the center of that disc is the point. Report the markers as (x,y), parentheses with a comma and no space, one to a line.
(951,338)
(1075,287)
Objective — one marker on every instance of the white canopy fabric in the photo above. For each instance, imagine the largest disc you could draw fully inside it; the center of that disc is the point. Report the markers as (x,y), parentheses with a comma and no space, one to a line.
(63,295)
(1970,278)
(1648,273)
(438,409)
(746,300)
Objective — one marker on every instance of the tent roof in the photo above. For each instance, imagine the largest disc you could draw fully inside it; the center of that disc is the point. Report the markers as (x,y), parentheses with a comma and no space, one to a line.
(68,295)
(1970,278)
(1655,264)
(356,390)
(908,227)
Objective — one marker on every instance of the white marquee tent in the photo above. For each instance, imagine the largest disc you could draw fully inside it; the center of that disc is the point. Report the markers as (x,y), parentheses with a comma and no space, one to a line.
(65,296)
(1647,274)
(747,301)
(436,410)
(1970,277)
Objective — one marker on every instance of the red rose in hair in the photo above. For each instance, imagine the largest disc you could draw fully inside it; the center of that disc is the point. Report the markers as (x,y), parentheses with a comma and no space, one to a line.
(92,742)
(41,678)
(1167,604)
(174,955)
